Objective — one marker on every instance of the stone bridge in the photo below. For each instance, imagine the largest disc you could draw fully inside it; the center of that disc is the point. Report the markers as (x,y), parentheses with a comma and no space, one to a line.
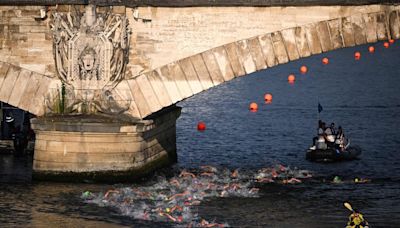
(177,49)
(177,52)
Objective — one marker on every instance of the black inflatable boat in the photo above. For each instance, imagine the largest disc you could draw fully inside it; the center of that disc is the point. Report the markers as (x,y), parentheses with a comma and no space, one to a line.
(333,154)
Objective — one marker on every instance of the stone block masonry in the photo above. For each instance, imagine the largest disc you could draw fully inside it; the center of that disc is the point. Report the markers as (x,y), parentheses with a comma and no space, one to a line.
(178,52)
(96,148)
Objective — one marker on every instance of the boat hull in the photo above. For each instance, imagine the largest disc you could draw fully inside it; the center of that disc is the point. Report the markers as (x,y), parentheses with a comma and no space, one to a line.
(333,155)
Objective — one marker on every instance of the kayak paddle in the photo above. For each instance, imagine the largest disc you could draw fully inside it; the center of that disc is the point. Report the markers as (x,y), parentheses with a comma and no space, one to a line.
(348,206)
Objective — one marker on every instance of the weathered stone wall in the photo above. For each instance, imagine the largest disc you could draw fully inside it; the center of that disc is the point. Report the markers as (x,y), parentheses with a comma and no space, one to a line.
(98,149)
(24,40)
(165,35)
(191,3)
(160,35)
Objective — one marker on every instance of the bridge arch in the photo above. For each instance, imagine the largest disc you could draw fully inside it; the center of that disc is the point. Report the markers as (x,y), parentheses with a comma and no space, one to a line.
(176,81)
(164,86)
(23,88)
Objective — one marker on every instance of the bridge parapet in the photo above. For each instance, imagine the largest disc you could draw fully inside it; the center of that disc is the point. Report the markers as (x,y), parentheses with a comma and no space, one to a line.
(197,3)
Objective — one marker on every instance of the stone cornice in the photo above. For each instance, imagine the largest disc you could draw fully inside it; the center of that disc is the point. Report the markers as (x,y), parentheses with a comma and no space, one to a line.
(196,3)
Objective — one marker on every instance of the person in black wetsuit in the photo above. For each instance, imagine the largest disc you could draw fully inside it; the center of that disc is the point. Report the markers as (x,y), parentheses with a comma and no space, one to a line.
(19,140)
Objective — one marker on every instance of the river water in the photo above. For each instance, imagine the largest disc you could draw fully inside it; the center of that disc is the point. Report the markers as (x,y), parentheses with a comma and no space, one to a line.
(361,96)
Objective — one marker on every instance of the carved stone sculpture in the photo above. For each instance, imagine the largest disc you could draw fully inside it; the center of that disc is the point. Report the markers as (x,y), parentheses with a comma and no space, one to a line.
(91,52)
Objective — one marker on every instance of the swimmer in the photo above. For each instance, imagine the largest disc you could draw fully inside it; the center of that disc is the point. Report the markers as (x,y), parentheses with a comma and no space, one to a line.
(361,180)
(235,173)
(254,190)
(128,201)
(168,216)
(145,215)
(282,168)
(233,186)
(337,180)
(209,168)
(110,191)
(211,186)
(205,223)
(304,174)
(274,173)
(174,182)
(292,181)
(179,218)
(191,203)
(184,173)
(265,170)
(176,207)
(179,195)
(265,180)
(224,193)
(208,174)
(263,175)
(143,194)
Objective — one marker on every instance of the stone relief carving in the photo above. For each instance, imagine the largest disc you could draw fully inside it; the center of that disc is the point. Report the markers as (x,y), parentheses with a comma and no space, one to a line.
(91,51)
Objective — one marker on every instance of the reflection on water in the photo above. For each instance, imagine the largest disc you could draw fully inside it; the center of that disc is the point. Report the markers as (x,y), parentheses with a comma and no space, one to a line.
(361,96)
(15,169)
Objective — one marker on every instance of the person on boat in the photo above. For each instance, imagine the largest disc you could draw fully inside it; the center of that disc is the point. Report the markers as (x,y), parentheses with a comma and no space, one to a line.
(320,131)
(330,138)
(321,139)
(321,143)
(333,128)
(340,139)
(356,220)
(321,127)
(19,140)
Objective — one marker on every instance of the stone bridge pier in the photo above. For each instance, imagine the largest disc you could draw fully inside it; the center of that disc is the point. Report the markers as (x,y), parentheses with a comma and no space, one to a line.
(100,148)
(104,80)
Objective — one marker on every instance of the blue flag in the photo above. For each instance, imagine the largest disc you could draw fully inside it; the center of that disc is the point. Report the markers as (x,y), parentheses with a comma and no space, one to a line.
(319,107)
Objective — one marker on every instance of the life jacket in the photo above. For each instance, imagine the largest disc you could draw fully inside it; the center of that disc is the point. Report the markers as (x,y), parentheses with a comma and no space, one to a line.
(321,143)
(339,139)
(330,138)
(333,130)
(356,220)
(321,139)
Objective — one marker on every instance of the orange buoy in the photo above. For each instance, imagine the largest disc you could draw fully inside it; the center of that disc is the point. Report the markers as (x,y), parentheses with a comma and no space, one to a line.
(253,107)
(325,61)
(371,49)
(291,78)
(391,41)
(268,98)
(357,55)
(386,44)
(303,69)
(201,126)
